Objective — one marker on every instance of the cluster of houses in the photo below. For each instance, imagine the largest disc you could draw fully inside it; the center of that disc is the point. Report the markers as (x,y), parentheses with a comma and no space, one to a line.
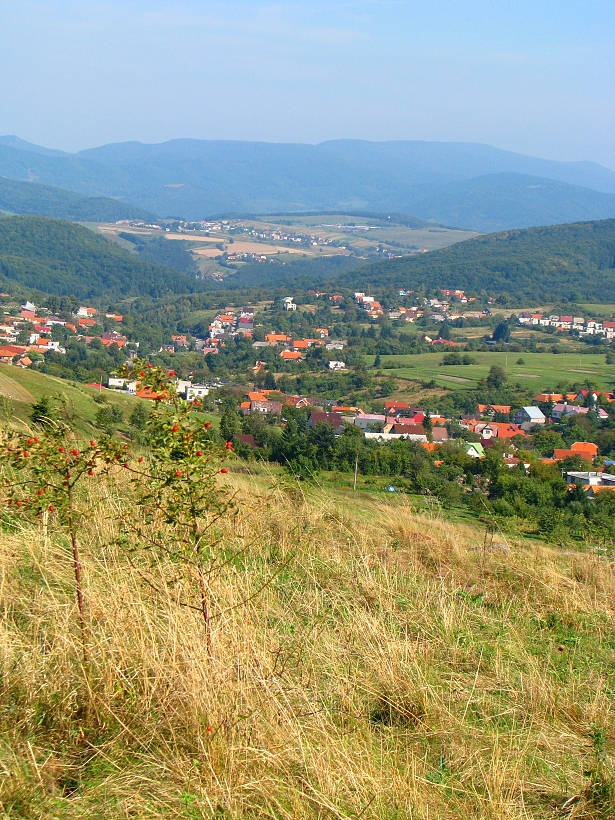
(275,235)
(214,226)
(235,322)
(564,406)
(133,223)
(224,326)
(185,388)
(39,324)
(401,421)
(583,326)
(293,350)
(593,482)
(439,310)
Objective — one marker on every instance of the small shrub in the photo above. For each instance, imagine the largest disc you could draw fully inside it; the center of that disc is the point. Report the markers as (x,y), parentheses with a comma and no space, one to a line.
(179,500)
(43,479)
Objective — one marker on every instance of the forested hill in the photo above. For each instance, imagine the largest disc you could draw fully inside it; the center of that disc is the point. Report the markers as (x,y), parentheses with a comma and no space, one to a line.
(575,261)
(62,258)
(47,200)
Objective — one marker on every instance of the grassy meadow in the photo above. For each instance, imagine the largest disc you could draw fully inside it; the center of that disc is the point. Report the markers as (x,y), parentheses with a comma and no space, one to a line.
(367,661)
(539,371)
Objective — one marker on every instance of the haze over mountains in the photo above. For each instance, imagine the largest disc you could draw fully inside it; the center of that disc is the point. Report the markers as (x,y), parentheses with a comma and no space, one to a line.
(464,185)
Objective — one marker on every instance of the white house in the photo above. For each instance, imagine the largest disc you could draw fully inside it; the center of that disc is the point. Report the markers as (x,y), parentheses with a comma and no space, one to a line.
(196,391)
(590,479)
(529,415)
(337,365)
(288,304)
(115,383)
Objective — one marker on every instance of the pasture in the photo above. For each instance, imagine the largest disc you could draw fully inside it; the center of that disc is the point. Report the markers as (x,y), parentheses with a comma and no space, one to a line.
(536,372)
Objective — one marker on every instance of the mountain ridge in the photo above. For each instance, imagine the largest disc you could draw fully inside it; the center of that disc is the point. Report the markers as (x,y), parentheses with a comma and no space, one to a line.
(195,179)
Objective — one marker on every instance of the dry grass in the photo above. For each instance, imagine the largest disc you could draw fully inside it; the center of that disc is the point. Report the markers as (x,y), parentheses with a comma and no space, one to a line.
(390,668)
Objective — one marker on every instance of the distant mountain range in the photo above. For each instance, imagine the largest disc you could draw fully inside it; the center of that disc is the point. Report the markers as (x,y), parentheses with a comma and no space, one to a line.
(458,184)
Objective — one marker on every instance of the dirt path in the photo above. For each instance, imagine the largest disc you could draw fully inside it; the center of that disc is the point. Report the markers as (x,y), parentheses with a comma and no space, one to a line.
(13,390)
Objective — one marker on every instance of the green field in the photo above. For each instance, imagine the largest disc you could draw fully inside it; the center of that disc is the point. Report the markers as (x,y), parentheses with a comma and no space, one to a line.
(540,371)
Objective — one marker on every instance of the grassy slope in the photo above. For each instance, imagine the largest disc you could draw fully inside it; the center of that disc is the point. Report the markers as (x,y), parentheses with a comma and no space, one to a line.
(541,371)
(392,668)
(79,397)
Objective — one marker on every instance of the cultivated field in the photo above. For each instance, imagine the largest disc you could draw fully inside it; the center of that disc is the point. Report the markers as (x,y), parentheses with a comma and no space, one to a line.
(539,371)
(209,253)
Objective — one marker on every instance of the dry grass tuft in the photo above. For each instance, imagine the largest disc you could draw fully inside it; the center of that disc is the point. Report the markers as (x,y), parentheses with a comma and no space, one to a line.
(385,665)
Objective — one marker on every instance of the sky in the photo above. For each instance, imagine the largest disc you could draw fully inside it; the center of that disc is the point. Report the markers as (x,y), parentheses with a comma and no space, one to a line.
(534,77)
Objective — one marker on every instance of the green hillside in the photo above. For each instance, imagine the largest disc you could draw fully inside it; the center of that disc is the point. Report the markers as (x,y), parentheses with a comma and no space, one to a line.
(575,262)
(23,387)
(62,258)
(46,200)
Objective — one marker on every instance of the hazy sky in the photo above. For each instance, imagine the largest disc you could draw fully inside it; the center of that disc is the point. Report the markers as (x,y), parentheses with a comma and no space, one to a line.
(536,77)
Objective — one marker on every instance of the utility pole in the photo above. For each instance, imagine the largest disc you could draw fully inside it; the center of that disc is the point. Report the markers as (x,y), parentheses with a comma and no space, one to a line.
(356,467)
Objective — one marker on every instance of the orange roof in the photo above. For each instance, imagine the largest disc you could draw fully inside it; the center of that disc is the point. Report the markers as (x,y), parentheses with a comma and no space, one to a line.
(118,342)
(245,405)
(560,455)
(148,393)
(290,354)
(257,396)
(585,447)
(277,337)
(301,344)
(403,405)
(12,350)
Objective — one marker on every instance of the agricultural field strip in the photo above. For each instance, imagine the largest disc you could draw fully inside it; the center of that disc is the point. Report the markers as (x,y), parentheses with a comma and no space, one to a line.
(397,237)
(550,368)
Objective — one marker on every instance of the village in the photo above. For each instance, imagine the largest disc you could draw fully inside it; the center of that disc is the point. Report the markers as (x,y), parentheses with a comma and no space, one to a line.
(28,335)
